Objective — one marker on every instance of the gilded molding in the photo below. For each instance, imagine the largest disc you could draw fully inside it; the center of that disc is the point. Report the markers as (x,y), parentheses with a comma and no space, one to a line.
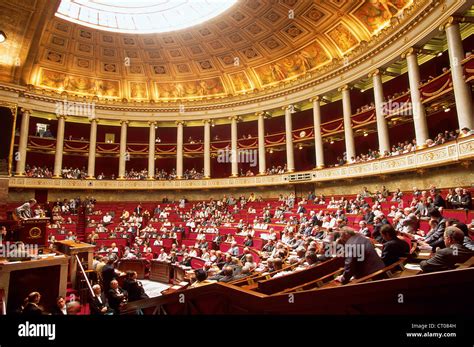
(442,155)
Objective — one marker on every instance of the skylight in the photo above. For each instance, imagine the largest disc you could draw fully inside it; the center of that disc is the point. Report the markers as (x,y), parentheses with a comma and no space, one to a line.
(141,17)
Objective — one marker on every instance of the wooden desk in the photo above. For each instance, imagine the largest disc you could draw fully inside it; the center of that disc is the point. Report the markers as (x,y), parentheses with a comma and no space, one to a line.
(137,265)
(160,271)
(47,275)
(85,251)
(179,274)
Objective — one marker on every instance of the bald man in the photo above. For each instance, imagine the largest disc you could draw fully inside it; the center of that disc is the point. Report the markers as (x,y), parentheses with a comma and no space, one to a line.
(454,253)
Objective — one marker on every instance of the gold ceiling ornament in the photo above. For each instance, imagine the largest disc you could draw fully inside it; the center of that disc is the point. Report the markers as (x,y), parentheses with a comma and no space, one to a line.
(239,53)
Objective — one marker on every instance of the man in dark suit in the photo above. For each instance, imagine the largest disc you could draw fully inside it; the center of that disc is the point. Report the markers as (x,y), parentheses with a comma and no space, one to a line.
(98,304)
(116,296)
(368,215)
(447,258)
(139,210)
(361,259)
(60,309)
(393,248)
(32,308)
(133,287)
(435,237)
(108,273)
(438,200)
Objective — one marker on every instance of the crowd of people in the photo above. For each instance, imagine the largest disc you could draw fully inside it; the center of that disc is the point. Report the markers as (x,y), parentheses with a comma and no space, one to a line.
(191,174)
(309,235)
(403,147)
(38,171)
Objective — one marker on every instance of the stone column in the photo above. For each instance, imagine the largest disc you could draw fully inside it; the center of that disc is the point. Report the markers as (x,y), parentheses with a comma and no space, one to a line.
(234,147)
(462,91)
(151,150)
(347,113)
(123,149)
(21,155)
(262,164)
(179,150)
(207,148)
(58,157)
(290,158)
(92,149)
(418,109)
(382,126)
(318,138)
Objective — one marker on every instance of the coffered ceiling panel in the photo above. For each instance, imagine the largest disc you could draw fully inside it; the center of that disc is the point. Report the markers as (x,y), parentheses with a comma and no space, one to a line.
(256,44)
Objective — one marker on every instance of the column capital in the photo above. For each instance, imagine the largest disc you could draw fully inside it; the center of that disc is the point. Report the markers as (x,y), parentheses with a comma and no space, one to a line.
(344,88)
(314,99)
(180,122)
(375,72)
(453,20)
(97,120)
(152,123)
(265,114)
(236,118)
(410,51)
(206,121)
(25,110)
(59,116)
(124,121)
(292,108)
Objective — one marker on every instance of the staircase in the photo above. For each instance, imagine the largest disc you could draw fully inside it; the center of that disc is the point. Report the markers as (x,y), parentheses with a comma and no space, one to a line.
(81,224)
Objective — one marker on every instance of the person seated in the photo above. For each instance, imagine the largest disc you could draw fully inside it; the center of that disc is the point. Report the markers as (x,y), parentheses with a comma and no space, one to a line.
(201,279)
(60,309)
(107,219)
(454,252)
(249,262)
(226,275)
(116,296)
(71,237)
(363,229)
(368,215)
(98,304)
(435,237)
(32,307)
(394,248)
(133,287)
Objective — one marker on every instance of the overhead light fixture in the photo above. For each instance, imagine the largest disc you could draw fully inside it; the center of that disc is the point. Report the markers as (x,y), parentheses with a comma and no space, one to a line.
(3,36)
(332,141)
(300,147)
(447,109)
(440,54)
(365,133)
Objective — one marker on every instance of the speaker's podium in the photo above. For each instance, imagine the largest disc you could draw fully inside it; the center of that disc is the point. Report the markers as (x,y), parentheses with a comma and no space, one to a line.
(84,251)
(33,231)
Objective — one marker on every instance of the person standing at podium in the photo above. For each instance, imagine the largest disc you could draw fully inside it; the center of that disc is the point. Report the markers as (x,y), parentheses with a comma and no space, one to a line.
(25,211)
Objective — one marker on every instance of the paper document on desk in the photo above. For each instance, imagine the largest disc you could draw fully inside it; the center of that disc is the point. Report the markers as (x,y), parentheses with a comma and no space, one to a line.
(413,267)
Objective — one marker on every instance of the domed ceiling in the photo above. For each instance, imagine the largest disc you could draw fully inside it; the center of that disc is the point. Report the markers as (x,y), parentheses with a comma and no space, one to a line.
(253,46)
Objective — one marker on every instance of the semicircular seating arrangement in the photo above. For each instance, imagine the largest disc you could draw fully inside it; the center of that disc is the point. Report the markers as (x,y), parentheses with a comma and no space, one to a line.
(236,157)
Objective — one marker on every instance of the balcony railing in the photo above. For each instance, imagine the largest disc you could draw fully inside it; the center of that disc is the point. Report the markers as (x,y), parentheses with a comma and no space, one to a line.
(449,153)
